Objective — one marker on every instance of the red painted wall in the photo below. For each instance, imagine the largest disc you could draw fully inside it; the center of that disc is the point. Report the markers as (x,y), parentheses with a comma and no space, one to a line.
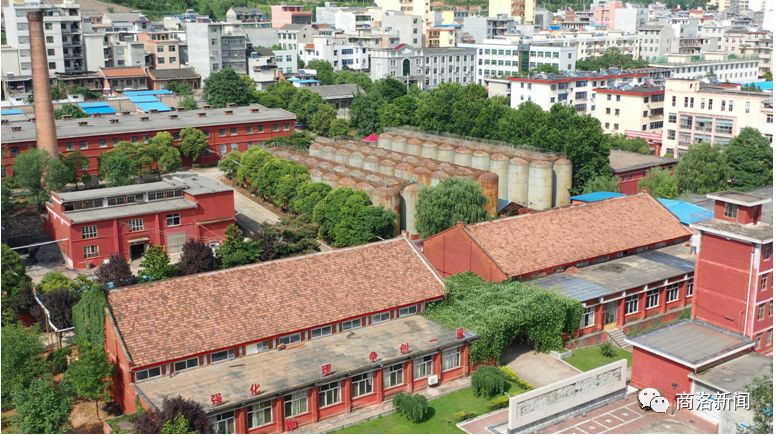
(653,371)
(121,390)
(453,251)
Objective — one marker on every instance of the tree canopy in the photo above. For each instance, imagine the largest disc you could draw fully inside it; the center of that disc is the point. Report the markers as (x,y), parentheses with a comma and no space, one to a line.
(625,143)
(70,110)
(703,169)
(235,250)
(115,273)
(452,200)
(156,264)
(22,361)
(761,399)
(346,217)
(750,157)
(193,143)
(42,407)
(90,376)
(612,58)
(227,87)
(660,183)
(602,183)
(196,257)
(38,173)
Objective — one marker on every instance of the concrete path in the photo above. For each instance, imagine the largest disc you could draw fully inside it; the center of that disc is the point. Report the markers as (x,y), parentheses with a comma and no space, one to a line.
(538,369)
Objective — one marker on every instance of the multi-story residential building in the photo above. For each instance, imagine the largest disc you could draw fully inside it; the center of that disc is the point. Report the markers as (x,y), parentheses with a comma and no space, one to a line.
(425,67)
(654,41)
(217,46)
(126,22)
(289,14)
(630,19)
(553,53)
(164,48)
(754,44)
(724,66)
(62,30)
(522,10)
(698,112)
(588,44)
(420,8)
(499,58)
(237,14)
(338,50)
(575,90)
(630,110)
(262,68)
(603,13)
(482,28)
(289,36)
(409,28)
(91,225)
(442,36)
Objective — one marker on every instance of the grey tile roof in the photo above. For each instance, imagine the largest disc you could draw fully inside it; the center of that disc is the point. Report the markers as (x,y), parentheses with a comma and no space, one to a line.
(621,161)
(172,74)
(98,214)
(336,91)
(573,287)
(733,376)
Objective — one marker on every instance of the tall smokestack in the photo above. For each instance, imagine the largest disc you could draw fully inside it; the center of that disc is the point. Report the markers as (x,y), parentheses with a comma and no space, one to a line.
(41,87)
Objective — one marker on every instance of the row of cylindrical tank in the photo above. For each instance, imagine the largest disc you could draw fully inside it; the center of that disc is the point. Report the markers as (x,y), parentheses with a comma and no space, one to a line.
(536,180)
(407,167)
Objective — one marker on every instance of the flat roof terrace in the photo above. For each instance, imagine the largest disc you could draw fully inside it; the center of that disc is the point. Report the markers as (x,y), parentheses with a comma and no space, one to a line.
(299,366)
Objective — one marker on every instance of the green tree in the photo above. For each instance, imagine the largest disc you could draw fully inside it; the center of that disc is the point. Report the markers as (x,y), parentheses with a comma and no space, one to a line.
(337,203)
(269,177)
(612,58)
(70,110)
(179,425)
(118,166)
(761,399)
(22,359)
(77,163)
(7,199)
(58,175)
(193,143)
(660,183)
(320,123)
(356,77)
(226,87)
(16,286)
(389,88)
(159,156)
(548,68)
(30,172)
(90,376)
(55,281)
(323,71)
(365,113)
(279,95)
(179,88)
(339,128)
(359,225)
(452,200)
(602,183)
(768,76)
(89,319)
(156,264)
(235,250)
(750,157)
(230,164)
(308,195)
(519,126)
(702,169)
(304,104)
(625,143)
(188,103)
(751,88)
(251,162)
(42,407)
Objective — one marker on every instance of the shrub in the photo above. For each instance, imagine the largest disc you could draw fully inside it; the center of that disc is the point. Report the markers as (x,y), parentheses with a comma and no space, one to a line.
(60,305)
(489,381)
(413,407)
(115,273)
(464,415)
(498,402)
(307,196)
(172,409)
(513,378)
(196,257)
(58,360)
(42,408)
(54,281)
(607,350)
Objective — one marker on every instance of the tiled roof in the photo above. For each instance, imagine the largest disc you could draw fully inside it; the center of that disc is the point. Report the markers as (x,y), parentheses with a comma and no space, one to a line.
(175,318)
(532,242)
(174,73)
(120,72)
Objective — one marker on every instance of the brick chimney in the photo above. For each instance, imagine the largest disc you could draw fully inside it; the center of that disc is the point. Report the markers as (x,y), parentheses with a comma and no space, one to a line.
(41,87)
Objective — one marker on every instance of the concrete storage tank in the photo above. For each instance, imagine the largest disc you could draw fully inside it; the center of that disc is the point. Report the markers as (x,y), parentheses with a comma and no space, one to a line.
(356,160)
(341,156)
(347,182)
(481,160)
(316,174)
(385,141)
(540,185)
(489,183)
(390,199)
(429,150)
(422,175)
(499,165)
(387,167)
(314,148)
(399,144)
(463,156)
(518,181)
(438,176)
(446,153)
(331,179)
(413,146)
(404,170)
(327,152)
(409,198)
(372,163)
(561,182)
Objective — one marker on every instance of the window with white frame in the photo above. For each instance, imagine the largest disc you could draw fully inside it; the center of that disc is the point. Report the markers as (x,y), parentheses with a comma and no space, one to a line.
(351,324)
(731,210)
(408,311)
(224,355)
(295,404)
(362,385)
(257,347)
(761,312)
(672,293)
(153,372)
(321,332)
(451,359)
(588,317)
(260,414)
(187,364)
(632,304)
(764,282)
(380,317)
(173,220)
(653,298)
(688,291)
(223,422)
(135,225)
(423,366)
(91,251)
(290,339)
(89,231)
(393,376)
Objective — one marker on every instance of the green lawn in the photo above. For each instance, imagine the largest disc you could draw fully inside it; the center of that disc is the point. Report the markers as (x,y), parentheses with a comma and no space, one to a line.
(588,358)
(441,415)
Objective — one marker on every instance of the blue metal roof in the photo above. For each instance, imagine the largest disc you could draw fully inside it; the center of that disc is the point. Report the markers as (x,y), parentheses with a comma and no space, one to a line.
(596,196)
(149,92)
(305,81)
(143,99)
(686,213)
(12,112)
(97,108)
(155,105)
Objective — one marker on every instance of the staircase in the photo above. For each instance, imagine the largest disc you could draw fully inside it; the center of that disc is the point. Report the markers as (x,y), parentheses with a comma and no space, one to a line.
(618,338)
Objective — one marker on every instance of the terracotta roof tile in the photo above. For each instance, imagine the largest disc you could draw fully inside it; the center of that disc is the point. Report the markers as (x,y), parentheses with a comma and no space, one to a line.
(175,318)
(122,72)
(532,242)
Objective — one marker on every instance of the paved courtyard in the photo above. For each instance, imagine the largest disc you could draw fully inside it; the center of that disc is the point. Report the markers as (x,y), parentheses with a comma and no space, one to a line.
(536,368)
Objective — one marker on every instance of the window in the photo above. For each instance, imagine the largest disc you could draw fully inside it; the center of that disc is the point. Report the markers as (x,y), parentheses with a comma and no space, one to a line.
(767,251)
(224,422)
(260,414)
(257,347)
(83,145)
(393,376)
(329,394)
(287,126)
(89,231)
(672,293)
(423,367)
(224,355)
(290,339)
(631,304)
(321,332)
(653,298)
(135,225)
(275,127)
(188,364)
(380,317)
(688,292)
(233,131)
(761,312)
(362,385)
(91,251)
(153,372)
(408,311)
(588,317)
(731,210)
(451,359)
(763,282)
(295,404)
(222,132)
(351,324)
(68,147)
(173,220)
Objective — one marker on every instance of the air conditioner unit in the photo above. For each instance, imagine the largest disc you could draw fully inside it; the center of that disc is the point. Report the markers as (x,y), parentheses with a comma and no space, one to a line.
(433,380)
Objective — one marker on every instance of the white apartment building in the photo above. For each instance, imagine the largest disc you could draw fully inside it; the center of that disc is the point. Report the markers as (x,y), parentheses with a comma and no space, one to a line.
(262,68)
(755,44)
(697,112)
(576,90)
(62,29)
(421,8)
(630,19)
(630,110)
(338,50)
(409,28)
(483,28)
(588,44)
(215,46)
(653,41)
(496,58)
(724,66)
(425,67)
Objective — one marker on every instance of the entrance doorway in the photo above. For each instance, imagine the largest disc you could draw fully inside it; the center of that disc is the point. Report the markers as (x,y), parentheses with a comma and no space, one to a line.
(610,315)
(137,250)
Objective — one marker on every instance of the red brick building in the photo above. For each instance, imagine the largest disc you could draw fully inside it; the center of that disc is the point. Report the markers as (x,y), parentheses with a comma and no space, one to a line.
(630,168)
(301,349)
(236,128)
(91,225)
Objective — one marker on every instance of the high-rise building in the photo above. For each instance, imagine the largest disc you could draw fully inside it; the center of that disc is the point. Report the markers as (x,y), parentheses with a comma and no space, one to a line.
(216,46)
